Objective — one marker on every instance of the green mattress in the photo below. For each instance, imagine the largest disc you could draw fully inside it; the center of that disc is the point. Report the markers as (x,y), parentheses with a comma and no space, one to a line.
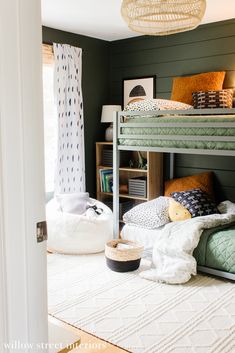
(174,131)
(216,249)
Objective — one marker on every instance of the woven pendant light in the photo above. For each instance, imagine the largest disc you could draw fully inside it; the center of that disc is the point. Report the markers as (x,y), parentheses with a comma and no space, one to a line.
(162,17)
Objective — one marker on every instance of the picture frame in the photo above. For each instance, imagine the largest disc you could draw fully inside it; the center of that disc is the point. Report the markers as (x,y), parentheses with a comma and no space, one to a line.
(136,88)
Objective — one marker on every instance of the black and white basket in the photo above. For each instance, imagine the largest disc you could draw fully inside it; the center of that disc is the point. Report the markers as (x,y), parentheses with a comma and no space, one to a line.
(213,99)
(121,259)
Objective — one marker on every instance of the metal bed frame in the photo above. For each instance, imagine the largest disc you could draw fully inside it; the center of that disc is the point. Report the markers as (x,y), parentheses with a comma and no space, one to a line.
(119,123)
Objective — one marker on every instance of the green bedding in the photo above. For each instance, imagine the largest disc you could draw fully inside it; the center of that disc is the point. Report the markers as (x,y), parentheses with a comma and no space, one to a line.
(216,248)
(193,131)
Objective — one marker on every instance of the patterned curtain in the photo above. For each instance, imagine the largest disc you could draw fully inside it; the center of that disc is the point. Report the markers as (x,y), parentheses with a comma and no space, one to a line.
(70,167)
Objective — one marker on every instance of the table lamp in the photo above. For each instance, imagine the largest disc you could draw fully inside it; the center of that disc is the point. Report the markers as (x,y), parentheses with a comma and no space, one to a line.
(107,117)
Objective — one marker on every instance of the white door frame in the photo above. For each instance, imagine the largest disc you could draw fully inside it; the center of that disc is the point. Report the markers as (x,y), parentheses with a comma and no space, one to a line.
(23,298)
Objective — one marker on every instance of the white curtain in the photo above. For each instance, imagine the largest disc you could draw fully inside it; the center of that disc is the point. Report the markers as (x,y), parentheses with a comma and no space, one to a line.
(70,166)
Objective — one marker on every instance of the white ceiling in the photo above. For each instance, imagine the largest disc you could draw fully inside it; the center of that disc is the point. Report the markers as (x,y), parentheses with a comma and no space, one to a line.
(102,19)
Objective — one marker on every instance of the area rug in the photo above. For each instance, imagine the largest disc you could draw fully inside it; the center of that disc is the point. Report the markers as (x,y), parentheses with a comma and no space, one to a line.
(139,315)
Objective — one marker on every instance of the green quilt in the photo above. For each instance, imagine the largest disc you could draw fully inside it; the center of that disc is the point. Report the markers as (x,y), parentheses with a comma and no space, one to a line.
(216,248)
(174,131)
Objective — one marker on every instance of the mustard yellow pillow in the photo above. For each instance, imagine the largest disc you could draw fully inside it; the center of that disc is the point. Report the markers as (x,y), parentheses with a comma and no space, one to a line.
(178,212)
(203,181)
(183,87)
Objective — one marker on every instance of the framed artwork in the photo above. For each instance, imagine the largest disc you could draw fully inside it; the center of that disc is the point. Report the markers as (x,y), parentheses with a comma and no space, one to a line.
(138,88)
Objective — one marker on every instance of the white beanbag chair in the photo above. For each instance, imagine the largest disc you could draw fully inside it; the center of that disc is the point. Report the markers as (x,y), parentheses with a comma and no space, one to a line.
(70,233)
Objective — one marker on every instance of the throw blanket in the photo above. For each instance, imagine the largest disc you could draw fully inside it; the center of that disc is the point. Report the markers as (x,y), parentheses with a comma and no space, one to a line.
(173,260)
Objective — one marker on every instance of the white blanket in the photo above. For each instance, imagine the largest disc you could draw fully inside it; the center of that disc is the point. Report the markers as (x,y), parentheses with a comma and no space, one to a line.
(172,253)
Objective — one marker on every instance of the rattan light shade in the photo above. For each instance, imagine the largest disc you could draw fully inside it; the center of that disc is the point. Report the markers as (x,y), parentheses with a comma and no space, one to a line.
(162,17)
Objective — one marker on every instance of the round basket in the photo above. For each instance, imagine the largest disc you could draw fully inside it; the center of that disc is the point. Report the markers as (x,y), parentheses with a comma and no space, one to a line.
(123,260)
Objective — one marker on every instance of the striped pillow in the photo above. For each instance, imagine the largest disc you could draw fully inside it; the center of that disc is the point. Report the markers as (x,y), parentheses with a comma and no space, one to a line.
(213,99)
(196,201)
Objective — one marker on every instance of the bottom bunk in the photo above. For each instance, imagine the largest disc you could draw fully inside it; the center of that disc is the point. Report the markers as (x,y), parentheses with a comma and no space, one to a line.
(215,253)
(216,249)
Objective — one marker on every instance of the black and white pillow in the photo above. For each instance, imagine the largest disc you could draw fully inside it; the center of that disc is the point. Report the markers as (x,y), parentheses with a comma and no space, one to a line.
(150,215)
(196,201)
(213,99)
(156,104)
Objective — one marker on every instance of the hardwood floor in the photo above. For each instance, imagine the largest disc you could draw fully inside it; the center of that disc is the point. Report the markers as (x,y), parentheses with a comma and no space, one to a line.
(89,343)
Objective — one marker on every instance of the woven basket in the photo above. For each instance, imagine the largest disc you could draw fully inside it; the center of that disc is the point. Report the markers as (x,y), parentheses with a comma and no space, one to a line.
(123,260)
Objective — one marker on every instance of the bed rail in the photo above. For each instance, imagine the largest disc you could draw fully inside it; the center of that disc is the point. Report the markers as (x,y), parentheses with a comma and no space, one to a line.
(123,119)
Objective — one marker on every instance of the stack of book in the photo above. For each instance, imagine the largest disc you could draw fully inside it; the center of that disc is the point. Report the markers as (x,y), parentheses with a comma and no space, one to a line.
(106,180)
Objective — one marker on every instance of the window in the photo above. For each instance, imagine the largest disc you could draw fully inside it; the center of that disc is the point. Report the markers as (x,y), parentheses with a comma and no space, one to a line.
(50,117)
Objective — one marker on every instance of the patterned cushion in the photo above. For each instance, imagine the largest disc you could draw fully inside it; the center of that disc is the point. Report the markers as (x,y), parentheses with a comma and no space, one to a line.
(150,215)
(196,201)
(213,99)
(156,104)
(183,87)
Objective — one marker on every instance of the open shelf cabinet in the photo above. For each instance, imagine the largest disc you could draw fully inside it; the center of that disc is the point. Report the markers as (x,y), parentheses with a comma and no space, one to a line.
(129,168)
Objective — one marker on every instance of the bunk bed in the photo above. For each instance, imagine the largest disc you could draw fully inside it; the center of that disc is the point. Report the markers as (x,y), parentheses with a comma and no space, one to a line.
(193,131)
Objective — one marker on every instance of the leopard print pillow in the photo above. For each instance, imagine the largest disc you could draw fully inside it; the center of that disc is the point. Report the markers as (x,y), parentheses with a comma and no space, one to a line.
(150,215)
(157,104)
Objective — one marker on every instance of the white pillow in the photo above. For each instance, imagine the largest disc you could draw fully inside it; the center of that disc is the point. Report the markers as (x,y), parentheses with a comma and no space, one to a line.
(157,104)
(73,203)
(150,215)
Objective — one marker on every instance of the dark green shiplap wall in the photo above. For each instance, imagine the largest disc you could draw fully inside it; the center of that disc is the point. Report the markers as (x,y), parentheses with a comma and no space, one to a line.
(95,84)
(208,48)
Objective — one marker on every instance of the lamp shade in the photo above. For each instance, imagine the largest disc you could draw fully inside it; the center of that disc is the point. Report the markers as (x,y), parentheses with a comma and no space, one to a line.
(107,112)
(162,17)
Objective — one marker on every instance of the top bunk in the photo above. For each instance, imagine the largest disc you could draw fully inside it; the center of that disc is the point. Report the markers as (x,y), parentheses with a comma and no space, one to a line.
(195,131)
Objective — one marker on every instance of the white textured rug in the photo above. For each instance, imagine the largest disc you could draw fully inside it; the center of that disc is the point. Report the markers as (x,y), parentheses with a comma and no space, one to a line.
(139,315)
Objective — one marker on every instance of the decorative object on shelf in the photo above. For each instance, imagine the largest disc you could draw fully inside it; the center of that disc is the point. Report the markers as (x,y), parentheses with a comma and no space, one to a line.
(157,17)
(107,117)
(142,162)
(137,186)
(123,189)
(107,157)
(131,163)
(138,88)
